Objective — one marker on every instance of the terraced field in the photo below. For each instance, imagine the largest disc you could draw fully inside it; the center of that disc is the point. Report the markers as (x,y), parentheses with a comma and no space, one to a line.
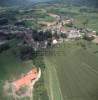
(76,70)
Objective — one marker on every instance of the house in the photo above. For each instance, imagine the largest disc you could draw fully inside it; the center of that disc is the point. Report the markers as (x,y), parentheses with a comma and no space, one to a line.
(73,34)
(26,79)
(54,41)
(63,30)
(94,33)
(91,34)
(43,44)
(35,45)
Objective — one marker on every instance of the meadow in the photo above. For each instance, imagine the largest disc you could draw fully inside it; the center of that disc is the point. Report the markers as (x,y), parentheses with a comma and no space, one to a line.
(11,67)
(78,16)
(73,72)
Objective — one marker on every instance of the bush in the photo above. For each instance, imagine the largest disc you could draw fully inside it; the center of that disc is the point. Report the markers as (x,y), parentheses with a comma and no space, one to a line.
(88,38)
(4,47)
(69,24)
(21,23)
(3,21)
(11,36)
(63,35)
(27,53)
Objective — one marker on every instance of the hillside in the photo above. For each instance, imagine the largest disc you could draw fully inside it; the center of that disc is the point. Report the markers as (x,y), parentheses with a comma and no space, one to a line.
(93,3)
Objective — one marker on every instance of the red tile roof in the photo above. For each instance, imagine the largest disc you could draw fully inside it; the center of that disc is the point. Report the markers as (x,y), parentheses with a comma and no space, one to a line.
(25,80)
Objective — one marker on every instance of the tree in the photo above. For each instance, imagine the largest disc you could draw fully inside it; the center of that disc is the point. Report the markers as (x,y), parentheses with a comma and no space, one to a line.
(85,23)
(4,46)
(63,35)
(3,21)
(88,38)
(27,53)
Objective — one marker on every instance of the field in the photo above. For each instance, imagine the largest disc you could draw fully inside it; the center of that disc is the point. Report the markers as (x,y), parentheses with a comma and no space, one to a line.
(79,17)
(11,67)
(73,74)
(52,82)
(92,21)
(69,72)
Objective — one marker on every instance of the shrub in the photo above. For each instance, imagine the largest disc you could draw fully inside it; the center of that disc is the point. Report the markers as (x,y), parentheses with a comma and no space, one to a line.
(4,47)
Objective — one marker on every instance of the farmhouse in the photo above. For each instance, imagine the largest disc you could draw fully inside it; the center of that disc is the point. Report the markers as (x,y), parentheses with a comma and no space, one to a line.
(26,79)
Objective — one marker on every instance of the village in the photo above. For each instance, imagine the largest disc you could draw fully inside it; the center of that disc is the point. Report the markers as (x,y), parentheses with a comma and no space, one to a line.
(50,33)
(48,51)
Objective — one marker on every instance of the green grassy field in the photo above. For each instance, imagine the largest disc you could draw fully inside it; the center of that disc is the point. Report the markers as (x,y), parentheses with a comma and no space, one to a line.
(79,18)
(74,73)
(70,71)
(52,82)
(11,67)
(92,20)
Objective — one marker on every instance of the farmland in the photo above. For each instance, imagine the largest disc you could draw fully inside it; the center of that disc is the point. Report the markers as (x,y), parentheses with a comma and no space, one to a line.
(11,67)
(69,70)
(78,16)
(77,72)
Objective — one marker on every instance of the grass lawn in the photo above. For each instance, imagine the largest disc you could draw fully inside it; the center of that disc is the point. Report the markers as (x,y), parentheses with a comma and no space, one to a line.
(76,70)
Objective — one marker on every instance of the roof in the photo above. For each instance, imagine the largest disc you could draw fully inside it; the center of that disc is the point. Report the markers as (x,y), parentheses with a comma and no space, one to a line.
(26,79)
(54,41)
